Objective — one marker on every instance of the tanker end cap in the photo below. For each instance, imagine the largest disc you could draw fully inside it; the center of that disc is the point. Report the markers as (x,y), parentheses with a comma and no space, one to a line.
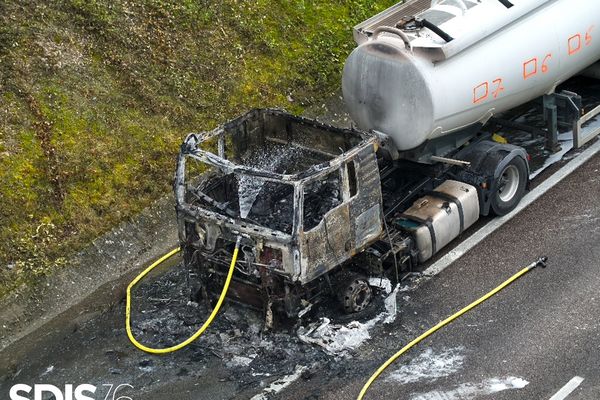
(385,91)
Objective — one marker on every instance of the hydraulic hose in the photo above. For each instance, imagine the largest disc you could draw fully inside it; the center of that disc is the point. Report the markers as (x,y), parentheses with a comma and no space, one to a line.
(206,324)
(541,262)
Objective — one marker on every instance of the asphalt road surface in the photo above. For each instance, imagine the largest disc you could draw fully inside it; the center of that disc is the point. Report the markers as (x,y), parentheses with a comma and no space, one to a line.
(534,338)
(531,340)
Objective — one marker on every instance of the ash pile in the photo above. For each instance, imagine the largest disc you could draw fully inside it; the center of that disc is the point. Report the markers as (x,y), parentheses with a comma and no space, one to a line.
(163,316)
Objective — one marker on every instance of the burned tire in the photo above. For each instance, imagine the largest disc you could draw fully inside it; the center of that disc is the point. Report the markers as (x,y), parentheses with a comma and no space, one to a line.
(511,187)
(355,294)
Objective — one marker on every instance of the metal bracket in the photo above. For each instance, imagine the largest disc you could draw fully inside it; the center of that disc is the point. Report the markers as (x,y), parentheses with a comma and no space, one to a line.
(581,135)
(569,100)
(395,31)
(451,161)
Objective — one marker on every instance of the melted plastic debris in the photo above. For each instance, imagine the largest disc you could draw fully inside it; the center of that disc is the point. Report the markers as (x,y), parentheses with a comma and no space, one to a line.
(240,361)
(338,339)
(429,366)
(391,306)
(468,391)
(381,283)
(281,384)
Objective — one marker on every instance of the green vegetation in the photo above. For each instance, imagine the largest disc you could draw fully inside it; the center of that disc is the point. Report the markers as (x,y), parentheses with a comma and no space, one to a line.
(96,95)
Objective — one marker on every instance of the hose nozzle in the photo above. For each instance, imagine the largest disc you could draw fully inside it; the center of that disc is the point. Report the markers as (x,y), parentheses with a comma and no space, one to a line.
(541,262)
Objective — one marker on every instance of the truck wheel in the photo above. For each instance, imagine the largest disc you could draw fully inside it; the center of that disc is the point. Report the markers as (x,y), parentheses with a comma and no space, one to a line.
(356,294)
(510,187)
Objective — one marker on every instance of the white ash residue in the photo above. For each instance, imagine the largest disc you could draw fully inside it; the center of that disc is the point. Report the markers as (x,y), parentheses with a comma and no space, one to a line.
(281,384)
(241,361)
(338,339)
(335,338)
(47,371)
(467,391)
(381,283)
(429,366)
(391,306)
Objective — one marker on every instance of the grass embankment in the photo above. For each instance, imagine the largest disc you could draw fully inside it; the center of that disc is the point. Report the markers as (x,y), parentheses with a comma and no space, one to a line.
(96,95)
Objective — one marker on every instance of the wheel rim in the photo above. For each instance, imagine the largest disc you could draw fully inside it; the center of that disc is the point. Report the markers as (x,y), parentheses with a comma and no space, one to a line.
(358,295)
(509,184)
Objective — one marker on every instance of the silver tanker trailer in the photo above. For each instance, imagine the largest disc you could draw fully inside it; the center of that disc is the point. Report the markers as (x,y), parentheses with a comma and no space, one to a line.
(323,210)
(420,78)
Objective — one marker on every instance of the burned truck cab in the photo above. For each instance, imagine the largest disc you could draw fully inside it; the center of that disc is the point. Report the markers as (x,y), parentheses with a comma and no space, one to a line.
(305,197)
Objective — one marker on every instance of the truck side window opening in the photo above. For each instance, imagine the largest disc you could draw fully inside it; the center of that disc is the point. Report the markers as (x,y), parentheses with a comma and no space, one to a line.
(320,197)
(352,178)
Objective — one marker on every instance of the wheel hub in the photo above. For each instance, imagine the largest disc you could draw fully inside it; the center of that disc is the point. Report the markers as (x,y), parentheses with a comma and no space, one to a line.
(509,184)
(357,296)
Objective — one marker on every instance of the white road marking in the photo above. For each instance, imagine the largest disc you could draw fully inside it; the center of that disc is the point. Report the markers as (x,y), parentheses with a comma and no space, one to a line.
(568,389)
(496,223)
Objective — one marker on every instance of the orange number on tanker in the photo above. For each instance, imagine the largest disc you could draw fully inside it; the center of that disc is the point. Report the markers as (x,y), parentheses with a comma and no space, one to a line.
(530,68)
(574,44)
(577,41)
(499,87)
(545,67)
(481,92)
(588,35)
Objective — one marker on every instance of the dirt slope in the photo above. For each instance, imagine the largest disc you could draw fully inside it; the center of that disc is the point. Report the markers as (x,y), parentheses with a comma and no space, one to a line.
(95,97)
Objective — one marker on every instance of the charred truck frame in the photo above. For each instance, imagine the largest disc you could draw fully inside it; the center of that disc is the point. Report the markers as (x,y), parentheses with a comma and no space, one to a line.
(321,209)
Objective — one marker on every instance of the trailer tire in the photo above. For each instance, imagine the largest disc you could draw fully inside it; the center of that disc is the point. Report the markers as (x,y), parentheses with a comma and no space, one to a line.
(510,187)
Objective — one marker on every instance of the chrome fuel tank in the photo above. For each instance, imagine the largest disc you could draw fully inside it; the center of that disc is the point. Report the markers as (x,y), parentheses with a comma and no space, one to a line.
(407,82)
(438,218)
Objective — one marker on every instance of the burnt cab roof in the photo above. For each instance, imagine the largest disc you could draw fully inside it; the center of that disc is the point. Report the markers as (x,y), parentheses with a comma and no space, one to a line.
(315,147)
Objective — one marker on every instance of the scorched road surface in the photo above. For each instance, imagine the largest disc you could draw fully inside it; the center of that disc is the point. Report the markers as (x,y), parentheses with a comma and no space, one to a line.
(526,343)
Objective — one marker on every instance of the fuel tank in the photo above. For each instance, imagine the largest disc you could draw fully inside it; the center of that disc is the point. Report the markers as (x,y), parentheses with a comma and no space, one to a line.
(424,71)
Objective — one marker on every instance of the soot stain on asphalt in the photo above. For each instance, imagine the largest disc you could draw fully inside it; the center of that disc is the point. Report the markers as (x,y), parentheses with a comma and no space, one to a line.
(163,315)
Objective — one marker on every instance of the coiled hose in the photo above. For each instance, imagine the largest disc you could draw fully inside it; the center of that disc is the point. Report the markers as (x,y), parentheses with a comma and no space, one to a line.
(206,324)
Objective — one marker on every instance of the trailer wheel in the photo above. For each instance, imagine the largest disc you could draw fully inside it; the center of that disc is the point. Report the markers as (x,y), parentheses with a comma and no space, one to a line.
(511,187)
(356,294)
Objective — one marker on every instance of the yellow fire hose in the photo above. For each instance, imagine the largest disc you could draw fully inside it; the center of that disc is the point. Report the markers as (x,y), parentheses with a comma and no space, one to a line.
(540,262)
(204,326)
